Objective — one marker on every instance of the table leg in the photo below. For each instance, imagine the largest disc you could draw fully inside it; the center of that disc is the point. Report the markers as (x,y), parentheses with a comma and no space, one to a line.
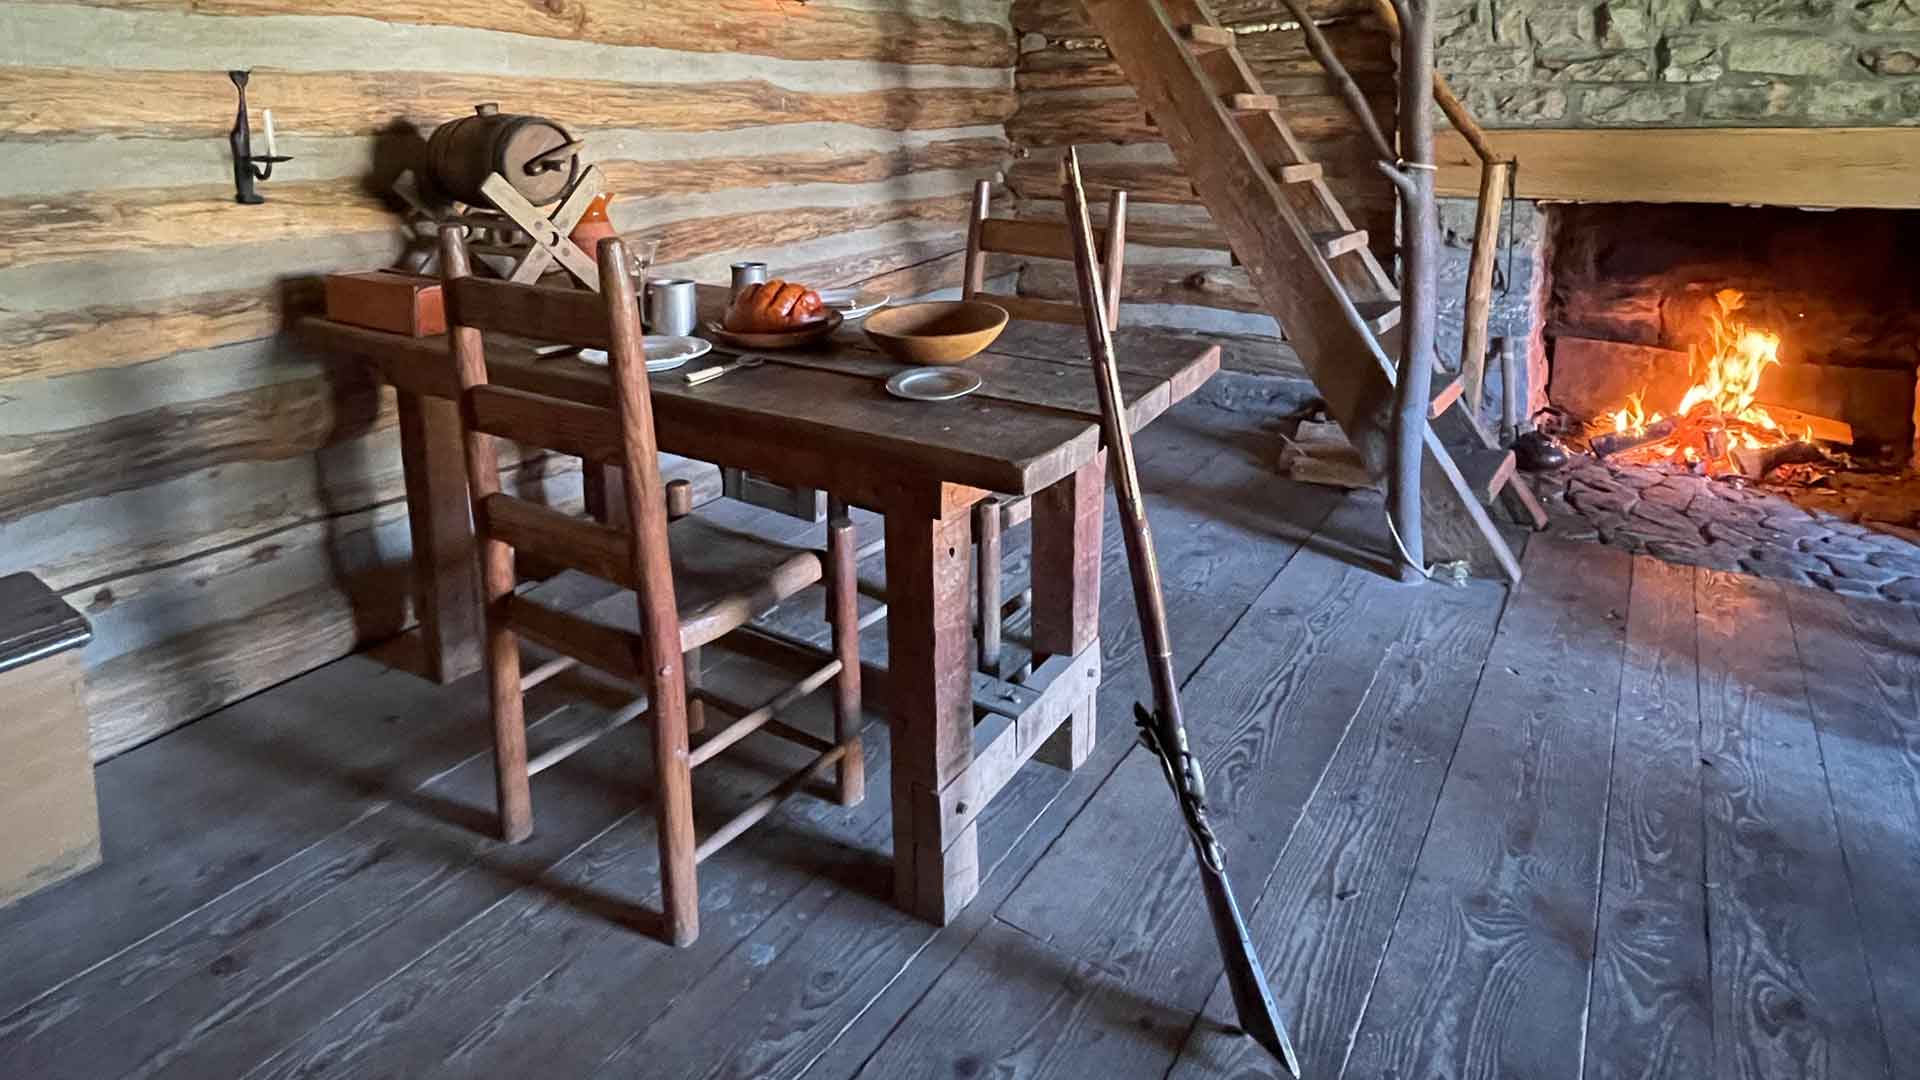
(1066,591)
(604,490)
(445,575)
(930,645)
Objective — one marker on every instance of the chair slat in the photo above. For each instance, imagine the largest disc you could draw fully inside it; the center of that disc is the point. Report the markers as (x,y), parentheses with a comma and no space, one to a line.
(610,649)
(576,543)
(537,420)
(570,316)
(1038,239)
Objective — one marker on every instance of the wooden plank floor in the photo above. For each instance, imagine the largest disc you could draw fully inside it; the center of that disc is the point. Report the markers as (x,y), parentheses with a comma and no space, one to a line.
(1627,820)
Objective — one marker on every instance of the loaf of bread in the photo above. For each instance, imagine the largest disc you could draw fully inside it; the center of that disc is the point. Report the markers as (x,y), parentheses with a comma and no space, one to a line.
(771,307)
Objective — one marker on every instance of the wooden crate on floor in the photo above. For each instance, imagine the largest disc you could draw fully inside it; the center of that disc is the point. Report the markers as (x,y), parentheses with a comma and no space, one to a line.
(49,820)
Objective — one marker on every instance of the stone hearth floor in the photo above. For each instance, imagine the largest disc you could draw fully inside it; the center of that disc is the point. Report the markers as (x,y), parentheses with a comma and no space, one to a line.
(1855,537)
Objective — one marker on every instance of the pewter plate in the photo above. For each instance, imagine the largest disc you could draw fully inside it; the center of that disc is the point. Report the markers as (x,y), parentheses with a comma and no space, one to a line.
(664,353)
(933,383)
(854,303)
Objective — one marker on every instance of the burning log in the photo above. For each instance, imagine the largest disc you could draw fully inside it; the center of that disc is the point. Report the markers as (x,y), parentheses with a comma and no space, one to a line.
(1822,428)
(1608,445)
(1755,464)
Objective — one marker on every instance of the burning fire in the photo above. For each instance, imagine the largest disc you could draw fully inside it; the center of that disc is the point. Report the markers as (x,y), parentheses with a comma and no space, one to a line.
(1717,414)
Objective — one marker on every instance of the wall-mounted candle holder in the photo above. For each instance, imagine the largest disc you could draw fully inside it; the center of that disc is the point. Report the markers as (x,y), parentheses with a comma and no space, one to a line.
(249,167)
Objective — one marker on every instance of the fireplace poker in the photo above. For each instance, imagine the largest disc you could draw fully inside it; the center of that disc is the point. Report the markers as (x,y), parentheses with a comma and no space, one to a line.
(1163,730)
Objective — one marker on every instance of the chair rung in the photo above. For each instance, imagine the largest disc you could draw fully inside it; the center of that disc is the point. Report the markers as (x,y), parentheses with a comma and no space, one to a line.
(1303,173)
(877,615)
(765,805)
(1204,38)
(546,671)
(1334,244)
(759,717)
(1252,103)
(565,749)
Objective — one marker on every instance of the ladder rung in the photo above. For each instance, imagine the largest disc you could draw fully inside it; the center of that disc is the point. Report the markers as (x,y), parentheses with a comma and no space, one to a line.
(1332,244)
(1252,103)
(1304,173)
(1205,38)
(1485,471)
(1446,390)
(1380,315)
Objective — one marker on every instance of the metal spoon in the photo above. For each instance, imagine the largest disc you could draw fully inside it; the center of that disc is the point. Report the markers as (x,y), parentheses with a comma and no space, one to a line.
(705,375)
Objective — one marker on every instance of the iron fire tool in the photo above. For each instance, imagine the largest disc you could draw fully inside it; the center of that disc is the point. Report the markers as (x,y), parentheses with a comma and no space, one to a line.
(1162,731)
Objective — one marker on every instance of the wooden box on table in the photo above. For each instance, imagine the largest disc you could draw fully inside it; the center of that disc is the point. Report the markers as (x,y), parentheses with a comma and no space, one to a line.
(49,821)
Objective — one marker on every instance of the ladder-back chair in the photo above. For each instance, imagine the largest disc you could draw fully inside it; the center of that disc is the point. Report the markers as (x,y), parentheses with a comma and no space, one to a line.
(692,581)
(1039,240)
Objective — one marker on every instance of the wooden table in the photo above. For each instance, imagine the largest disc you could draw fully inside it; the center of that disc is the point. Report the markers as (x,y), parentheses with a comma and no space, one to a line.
(822,419)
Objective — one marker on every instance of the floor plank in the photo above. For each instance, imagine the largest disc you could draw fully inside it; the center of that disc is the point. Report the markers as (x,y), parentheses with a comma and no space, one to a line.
(1862,664)
(1326,915)
(1651,1013)
(1119,951)
(1487,971)
(1792,995)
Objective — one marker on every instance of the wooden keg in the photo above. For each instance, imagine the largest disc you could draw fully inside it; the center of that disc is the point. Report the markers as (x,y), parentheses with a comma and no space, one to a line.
(536,155)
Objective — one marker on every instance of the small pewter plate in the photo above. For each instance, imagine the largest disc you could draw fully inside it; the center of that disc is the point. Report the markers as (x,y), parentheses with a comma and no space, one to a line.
(933,383)
(664,353)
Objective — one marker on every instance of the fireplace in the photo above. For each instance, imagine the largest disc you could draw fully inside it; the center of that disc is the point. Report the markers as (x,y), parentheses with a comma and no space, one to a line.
(1735,329)
(1737,385)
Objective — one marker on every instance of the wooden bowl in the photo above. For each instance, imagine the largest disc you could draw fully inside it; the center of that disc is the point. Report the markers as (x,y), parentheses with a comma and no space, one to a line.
(942,332)
(784,339)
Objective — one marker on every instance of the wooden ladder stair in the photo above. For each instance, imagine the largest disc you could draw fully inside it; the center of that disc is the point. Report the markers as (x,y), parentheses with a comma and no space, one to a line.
(1311,266)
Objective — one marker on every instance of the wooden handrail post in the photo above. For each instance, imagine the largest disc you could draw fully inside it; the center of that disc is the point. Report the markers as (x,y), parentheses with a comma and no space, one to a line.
(1486,244)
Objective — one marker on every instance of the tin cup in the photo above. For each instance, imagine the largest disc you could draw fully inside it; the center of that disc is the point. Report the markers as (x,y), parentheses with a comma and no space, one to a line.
(745,274)
(671,306)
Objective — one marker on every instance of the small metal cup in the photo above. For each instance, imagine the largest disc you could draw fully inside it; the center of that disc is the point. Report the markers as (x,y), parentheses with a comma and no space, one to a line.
(745,274)
(672,308)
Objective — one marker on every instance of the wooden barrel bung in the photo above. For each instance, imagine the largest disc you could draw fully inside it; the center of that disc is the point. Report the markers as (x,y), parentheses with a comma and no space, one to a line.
(533,153)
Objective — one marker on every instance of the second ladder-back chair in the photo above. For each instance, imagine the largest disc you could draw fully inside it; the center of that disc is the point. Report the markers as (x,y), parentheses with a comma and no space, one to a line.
(692,581)
(1039,240)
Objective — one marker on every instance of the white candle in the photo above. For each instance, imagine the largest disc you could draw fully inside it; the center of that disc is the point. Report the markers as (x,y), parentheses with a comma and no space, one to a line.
(268,115)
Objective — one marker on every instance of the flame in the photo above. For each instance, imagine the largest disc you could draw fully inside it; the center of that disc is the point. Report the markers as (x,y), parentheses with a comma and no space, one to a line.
(1734,358)
(1727,369)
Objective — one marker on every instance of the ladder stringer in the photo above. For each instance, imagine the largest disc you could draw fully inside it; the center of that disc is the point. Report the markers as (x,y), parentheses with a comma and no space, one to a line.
(1272,234)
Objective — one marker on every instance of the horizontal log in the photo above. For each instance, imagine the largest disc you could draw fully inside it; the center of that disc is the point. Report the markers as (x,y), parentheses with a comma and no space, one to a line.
(188,104)
(1364,49)
(1190,226)
(284,420)
(91,223)
(1348,168)
(789,30)
(45,344)
(654,178)
(1224,287)
(1062,119)
(1857,167)
(1064,18)
(681,240)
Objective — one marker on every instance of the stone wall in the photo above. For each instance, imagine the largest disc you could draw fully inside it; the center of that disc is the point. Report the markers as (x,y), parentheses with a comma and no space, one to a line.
(1685,63)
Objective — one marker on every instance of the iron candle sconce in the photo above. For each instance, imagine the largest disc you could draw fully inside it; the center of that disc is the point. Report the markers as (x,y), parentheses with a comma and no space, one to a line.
(249,167)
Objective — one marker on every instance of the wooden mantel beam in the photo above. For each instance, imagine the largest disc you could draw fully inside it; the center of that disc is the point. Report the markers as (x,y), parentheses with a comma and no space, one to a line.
(1863,167)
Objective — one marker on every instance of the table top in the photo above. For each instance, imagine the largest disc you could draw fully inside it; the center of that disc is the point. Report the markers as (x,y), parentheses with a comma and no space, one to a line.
(807,415)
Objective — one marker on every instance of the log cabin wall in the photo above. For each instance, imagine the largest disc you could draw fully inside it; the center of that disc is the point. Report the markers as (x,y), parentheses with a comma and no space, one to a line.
(1179,272)
(226,507)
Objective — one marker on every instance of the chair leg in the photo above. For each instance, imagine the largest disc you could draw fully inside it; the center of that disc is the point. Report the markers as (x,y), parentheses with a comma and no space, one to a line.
(673,810)
(986,582)
(513,799)
(843,612)
(696,709)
